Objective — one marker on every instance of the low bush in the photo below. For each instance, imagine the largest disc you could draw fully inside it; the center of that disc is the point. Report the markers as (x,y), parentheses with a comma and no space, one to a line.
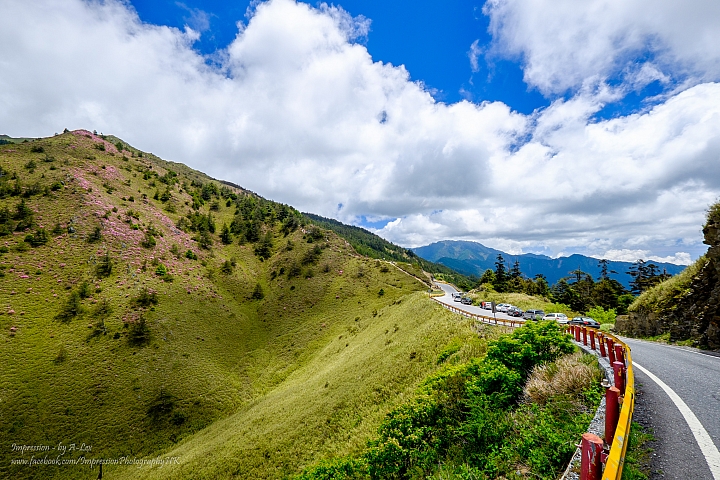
(468,420)
(104,267)
(146,298)
(602,315)
(71,309)
(139,334)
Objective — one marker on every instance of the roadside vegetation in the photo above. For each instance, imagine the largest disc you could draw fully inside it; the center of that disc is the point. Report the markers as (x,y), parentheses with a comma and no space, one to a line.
(515,411)
(666,294)
(637,457)
(577,294)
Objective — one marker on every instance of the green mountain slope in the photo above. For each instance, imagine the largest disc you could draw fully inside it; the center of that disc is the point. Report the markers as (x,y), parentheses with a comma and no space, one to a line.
(148,309)
(371,245)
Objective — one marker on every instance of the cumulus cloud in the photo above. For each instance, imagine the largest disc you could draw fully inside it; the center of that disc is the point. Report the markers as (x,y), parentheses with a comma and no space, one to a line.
(629,255)
(564,43)
(296,110)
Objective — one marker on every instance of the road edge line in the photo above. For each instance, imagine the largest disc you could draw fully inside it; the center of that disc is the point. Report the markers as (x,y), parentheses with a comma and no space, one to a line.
(703,439)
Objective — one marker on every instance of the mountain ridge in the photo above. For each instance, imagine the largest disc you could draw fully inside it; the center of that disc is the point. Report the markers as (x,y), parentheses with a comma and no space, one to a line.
(473,258)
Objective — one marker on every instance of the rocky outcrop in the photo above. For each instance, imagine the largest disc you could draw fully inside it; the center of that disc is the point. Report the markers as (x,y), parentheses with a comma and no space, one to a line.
(690,311)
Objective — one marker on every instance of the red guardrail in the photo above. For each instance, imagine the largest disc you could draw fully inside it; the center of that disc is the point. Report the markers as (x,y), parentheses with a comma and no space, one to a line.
(619,407)
(619,399)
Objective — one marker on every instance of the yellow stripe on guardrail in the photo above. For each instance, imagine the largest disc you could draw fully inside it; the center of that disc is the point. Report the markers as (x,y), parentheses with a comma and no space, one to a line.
(616,459)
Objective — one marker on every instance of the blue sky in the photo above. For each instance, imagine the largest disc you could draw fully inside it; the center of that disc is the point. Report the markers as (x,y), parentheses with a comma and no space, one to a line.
(431,38)
(550,126)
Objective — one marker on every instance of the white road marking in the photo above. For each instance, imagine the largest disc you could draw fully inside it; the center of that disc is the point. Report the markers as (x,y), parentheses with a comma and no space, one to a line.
(708,448)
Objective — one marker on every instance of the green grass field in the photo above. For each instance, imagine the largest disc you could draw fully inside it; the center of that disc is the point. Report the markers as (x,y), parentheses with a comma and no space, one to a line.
(263,387)
(149,312)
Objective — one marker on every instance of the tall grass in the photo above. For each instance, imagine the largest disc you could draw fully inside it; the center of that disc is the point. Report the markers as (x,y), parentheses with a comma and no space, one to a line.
(663,295)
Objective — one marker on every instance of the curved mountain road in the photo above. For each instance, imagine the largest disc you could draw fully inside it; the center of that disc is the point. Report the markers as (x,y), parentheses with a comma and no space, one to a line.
(448,300)
(678,397)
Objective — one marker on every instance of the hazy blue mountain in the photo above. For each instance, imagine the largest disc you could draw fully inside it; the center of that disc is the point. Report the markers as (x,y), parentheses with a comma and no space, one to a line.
(472,258)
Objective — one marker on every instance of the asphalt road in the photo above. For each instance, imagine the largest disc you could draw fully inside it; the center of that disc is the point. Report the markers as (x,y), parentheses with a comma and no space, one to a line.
(447,299)
(695,378)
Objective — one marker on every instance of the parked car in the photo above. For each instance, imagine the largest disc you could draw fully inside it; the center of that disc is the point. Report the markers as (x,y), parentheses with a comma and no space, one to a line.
(502,307)
(457,296)
(486,305)
(533,315)
(466,301)
(558,317)
(587,321)
(514,312)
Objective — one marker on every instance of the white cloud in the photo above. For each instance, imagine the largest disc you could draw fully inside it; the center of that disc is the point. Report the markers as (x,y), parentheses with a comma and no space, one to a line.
(565,42)
(473,54)
(628,255)
(198,20)
(300,113)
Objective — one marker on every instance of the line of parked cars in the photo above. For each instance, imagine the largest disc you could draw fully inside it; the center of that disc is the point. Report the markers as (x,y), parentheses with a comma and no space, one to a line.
(531,314)
(458,297)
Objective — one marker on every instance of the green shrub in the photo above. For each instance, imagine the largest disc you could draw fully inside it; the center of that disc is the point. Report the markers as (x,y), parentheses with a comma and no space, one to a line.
(189,254)
(227,267)
(84,290)
(139,333)
(31,165)
(257,293)
(146,298)
(71,309)
(531,345)
(38,238)
(95,236)
(148,241)
(602,315)
(104,266)
(312,255)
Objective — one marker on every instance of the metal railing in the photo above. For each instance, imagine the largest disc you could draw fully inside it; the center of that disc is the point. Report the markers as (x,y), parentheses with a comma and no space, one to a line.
(619,399)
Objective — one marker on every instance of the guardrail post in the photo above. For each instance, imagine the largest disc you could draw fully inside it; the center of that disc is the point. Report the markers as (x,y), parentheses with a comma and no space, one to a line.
(601,341)
(619,371)
(612,413)
(590,464)
(619,354)
(592,339)
(584,334)
(611,350)
(577,333)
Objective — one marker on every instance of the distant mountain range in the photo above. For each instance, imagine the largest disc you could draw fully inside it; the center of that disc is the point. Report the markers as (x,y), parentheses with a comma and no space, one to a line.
(472,258)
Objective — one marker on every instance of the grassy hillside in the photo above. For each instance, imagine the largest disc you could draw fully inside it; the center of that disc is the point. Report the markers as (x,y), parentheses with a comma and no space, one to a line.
(331,405)
(368,244)
(665,295)
(143,302)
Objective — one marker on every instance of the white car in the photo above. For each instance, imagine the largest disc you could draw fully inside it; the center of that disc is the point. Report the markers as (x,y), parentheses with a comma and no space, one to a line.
(558,317)
(502,307)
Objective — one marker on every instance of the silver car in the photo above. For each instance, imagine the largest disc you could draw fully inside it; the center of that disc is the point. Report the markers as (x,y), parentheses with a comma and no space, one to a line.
(558,317)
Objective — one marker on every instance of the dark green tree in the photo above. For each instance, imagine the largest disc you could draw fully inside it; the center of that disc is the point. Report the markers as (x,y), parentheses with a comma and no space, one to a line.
(226,235)
(501,276)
